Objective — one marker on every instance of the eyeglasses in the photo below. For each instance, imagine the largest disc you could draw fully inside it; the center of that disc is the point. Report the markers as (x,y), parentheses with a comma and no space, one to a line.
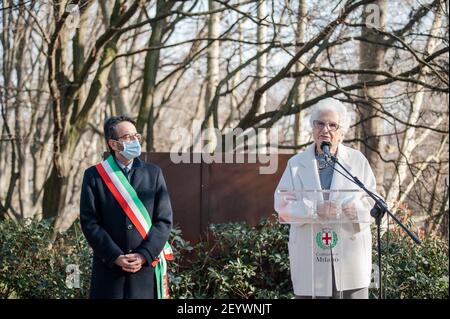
(130,137)
(320,125)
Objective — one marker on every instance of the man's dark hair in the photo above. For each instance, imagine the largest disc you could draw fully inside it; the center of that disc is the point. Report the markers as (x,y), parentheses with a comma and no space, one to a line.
(109,128)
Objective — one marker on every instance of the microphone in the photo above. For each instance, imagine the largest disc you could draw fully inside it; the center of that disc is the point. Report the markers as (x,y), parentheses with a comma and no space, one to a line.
(325,147)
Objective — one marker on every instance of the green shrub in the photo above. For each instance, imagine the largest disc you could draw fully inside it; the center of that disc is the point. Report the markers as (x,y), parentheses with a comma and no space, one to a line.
(29,268)
(238,262)
(410,270)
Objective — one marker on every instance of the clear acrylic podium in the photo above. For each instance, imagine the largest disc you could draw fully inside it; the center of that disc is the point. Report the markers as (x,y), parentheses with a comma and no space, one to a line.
(330,223)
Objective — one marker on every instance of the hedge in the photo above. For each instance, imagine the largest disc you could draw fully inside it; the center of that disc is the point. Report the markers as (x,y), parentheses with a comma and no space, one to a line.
(237,261)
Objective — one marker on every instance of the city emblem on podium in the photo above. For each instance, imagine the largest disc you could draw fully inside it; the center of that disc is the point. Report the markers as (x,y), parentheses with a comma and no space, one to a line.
(326,238)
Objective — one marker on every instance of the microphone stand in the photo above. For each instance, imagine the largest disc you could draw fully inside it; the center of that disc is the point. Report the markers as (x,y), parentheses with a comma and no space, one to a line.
(377,212)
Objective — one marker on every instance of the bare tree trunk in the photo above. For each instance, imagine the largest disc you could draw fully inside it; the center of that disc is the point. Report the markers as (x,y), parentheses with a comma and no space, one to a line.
(372,57)
(236,78)
(118,81)
(300,93)
(212,73)
(39,151)
(118,76)
(261,67)
(146,108)
(19,105)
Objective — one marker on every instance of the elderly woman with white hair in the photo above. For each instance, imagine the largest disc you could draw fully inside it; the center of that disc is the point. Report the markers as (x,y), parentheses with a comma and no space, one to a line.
(310,170)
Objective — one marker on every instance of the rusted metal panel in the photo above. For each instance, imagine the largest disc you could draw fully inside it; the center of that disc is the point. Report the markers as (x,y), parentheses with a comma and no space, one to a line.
(184,186)
(239,193)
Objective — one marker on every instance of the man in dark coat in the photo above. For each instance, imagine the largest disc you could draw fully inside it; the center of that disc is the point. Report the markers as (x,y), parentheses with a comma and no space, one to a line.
(122,261)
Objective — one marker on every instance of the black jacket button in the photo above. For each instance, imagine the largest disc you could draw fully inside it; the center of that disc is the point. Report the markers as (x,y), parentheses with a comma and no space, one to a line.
(130,226)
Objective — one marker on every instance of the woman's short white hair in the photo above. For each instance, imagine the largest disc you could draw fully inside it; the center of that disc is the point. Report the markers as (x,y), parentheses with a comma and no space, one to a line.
(330,105)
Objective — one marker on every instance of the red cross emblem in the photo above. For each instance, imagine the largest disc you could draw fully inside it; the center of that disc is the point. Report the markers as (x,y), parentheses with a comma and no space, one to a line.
(326,237)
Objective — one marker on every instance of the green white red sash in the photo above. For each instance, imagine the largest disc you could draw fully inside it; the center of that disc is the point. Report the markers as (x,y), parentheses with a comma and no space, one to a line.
(133,207)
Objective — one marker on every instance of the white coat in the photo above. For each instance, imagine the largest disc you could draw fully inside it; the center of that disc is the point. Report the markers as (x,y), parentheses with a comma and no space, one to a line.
(353,266)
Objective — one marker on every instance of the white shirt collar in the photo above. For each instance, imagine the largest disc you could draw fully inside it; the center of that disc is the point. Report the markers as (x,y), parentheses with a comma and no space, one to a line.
(122,166)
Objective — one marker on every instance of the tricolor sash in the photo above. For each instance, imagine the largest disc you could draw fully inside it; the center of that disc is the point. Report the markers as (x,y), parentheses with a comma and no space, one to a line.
(133,207)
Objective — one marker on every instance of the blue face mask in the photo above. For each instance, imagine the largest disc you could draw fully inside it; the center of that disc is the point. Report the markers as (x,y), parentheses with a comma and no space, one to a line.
(131,149)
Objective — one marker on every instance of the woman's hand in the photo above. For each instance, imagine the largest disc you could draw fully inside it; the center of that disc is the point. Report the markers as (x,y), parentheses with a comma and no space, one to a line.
(349,211)
(287,198)
(327,209)
(284,205)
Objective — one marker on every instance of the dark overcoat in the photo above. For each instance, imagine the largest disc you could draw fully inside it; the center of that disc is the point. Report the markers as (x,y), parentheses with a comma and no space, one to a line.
(111,233)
